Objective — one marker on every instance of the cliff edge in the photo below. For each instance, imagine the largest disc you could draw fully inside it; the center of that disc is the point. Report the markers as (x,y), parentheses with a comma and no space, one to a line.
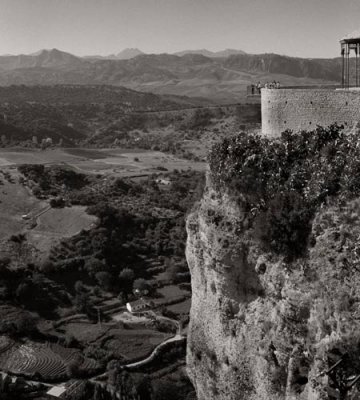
(274,253)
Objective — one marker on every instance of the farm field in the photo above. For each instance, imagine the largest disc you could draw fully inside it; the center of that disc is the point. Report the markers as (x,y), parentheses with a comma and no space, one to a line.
(85,332)
(115,162)
(124,344)
(15,156)
(50,361)
(133,344)
(15,200)
(171,293)
(43,226)
(40,225)
(64,221)
(57,223)
(181,308)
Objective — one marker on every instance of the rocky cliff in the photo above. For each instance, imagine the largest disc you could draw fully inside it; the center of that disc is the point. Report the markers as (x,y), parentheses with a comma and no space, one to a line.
(276,294)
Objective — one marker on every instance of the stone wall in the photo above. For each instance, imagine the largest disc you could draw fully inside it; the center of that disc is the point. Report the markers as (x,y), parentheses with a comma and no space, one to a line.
(303,109)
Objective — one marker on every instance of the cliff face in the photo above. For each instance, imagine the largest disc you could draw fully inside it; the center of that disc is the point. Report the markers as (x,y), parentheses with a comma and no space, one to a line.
(266,327)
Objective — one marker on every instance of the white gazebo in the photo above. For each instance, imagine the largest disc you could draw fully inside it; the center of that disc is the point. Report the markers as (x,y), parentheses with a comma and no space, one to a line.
(348,43)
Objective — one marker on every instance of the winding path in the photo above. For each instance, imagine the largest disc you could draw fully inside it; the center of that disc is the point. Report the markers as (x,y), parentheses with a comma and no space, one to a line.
(155,352)
(177,338)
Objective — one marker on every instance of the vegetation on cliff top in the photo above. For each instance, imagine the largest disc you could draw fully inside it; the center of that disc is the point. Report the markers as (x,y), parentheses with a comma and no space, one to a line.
(283,181)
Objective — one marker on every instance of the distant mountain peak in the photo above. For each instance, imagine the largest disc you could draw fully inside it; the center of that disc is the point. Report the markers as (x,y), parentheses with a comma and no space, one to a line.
(125,54)
(45,58)
(128,53)
(56,57)
(48,51)
(208,53)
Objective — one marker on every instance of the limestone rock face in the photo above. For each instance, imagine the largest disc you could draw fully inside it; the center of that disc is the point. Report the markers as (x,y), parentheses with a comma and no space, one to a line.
(262,327)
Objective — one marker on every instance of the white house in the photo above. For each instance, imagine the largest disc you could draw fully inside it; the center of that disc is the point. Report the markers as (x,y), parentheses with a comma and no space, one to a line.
(136,306)
(163,181)
(56,391)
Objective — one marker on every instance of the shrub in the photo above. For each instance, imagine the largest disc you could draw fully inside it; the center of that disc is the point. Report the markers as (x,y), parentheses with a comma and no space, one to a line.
(285,226)
(283,181)
(57,202)
(104,279)
(141,285)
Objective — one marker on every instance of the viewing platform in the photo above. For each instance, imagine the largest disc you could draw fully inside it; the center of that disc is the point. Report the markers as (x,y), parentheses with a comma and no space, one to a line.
(300,108)
(256,93)
(303,108)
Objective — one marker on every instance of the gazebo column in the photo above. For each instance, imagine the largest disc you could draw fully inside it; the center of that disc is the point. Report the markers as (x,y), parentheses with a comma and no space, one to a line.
(357,64)
(343,66)
(348,65)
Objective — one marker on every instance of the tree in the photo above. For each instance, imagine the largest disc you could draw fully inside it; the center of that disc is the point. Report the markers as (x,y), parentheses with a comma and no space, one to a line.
(141,285)
(47,266)
(82,302)
(126,279)
(57,202)
(71,341)
(94,265)
(26,324)
(165,390)
(142,386)
(173,271)
(104,279)
(79,287)
(73,368)
(4,262)
(24,292)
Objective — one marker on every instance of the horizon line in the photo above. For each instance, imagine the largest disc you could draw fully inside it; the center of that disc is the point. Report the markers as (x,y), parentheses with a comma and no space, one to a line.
(35,53)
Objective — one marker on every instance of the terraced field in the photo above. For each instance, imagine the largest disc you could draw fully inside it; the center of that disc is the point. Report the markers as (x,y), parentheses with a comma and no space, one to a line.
(50,361)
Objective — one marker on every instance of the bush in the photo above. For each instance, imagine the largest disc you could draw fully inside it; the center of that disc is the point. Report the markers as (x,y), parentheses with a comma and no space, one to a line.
(285,226)
(104,279)
(284,181)
(57,202)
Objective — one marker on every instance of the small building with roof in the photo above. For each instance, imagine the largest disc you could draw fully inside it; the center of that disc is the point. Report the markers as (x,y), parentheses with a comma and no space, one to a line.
(57,392)
(137,305)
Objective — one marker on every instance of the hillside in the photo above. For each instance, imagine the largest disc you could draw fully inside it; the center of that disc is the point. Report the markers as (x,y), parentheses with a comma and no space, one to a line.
(78,94)
(222,77)
(69,114)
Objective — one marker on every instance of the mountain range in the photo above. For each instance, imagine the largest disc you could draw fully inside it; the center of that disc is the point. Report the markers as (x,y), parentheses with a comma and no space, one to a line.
(125,54)
(129,53)
(221,78)
(208,53)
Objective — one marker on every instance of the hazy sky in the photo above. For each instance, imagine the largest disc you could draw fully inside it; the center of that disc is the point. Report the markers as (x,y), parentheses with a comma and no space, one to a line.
(305,28)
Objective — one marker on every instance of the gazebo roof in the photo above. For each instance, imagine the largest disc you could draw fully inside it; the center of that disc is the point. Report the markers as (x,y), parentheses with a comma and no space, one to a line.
(352,37)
